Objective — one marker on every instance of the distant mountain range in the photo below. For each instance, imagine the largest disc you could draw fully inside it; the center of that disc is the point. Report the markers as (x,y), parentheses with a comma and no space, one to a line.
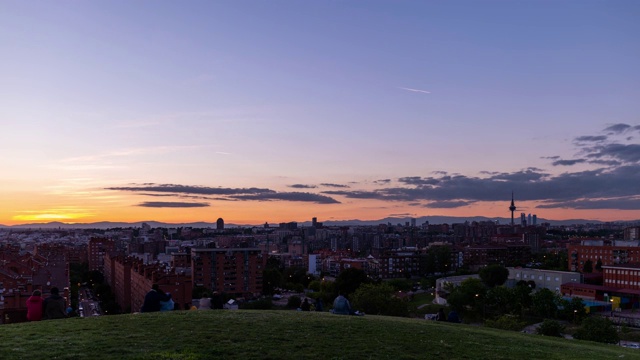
(392,220)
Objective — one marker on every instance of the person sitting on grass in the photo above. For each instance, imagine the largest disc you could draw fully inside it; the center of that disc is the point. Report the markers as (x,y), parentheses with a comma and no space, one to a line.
(152,299)
(341,306)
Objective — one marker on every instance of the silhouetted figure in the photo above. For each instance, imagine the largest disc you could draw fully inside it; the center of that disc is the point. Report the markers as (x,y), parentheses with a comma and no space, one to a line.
(153,298)
(305,305)
(205,302)
(34,306)
(217,301)
(441,315)
(168,305)
(453,317)
(318,305)
(54,307)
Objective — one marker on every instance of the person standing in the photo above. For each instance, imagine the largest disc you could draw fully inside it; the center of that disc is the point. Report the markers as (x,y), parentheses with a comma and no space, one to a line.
(34,306)
(54,307)
(153,298)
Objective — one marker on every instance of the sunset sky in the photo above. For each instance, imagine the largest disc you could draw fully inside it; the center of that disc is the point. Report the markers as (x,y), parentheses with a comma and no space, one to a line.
(272,111)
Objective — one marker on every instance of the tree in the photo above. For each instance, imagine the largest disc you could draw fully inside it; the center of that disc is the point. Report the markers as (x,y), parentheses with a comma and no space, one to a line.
(271,279)
(587,267)
(494,275)
(573,310)
(468,297)
(349,280)
(400,284)
(550,328)
(499,301)
(544,303)
(596,328)
(521,299)
(506,322)
(379,300)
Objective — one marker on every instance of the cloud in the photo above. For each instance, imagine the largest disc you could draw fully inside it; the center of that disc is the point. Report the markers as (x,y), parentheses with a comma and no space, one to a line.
(289,196)
(608,204)
(187,189)
(591,138)
(626,153)
(229,194)
(335,185)
(417,180)
(382,181)
(302,186)
(170,204)
(528,184)
(415,90)
(448,204)
(568,162)
(617,128)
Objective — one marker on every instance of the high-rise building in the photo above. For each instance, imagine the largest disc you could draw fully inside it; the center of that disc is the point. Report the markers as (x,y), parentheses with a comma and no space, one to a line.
(529,219)
(232,271)
(220,224)
(96,249)
(523,219)
(314,221)
(535,220)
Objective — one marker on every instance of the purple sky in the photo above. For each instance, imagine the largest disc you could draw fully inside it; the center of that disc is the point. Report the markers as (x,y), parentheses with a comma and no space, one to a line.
(339,109)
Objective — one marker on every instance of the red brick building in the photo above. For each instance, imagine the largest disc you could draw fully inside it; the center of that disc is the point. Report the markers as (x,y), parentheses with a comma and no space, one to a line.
(625,276)
(98,247)
(130,280)
(608,252)
(20,275)
(478,256)
(232,271)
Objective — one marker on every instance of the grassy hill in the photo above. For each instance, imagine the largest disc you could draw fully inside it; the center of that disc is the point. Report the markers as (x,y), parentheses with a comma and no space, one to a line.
(248,334)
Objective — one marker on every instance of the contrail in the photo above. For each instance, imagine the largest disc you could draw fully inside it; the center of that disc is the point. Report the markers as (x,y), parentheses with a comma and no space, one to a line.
(415,90)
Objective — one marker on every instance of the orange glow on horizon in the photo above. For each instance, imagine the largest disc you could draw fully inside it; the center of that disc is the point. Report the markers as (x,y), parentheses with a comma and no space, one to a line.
(257,213)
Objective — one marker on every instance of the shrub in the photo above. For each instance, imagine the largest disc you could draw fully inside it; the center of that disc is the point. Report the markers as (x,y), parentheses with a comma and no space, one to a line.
(550,328)
(262,304)
(506,322)
(596,328)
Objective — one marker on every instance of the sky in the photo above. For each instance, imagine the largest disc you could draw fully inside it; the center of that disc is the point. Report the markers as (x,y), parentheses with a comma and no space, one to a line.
(277,111)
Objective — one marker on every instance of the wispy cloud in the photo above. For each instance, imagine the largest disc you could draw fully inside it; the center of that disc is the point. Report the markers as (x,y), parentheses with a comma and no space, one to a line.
(243,194)
(415,90)
(171,204)
(302,186)
(335,185)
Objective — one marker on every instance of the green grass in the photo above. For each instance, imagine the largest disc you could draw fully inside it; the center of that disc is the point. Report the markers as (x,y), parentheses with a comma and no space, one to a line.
(420,300)
(255,334)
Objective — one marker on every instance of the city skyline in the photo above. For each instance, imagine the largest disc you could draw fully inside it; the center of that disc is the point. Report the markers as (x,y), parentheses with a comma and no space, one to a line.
(283,111)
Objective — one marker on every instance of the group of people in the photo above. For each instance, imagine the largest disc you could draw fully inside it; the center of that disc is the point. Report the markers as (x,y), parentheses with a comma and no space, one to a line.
(53,307)
(453,316)
(156,300)
(214,302)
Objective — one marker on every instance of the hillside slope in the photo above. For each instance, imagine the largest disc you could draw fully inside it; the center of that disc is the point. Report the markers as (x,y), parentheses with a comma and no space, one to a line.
(281,335)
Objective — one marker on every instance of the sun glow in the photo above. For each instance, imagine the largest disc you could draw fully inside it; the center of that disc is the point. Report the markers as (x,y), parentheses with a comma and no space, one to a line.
(52,215)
